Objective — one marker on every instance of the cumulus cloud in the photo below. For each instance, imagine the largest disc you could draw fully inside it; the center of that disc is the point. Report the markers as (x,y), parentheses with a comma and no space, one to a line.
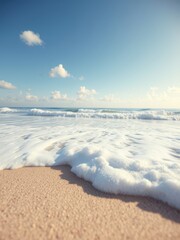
(83,93)
(59,71)
(6,85)
(31,38)
(56,95)
(169,97)
(155,94)
(31,97)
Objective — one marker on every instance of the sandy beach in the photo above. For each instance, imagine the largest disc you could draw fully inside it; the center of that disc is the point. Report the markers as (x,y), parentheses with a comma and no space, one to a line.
(90,120)
(52,203)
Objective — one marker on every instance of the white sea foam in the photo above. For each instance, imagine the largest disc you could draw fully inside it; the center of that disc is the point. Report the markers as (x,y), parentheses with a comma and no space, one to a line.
(99,113)
(118,156)
(145,115)
(7,110)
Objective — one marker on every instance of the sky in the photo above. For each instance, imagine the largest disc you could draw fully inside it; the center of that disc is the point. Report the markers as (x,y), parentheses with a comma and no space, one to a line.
(98,53)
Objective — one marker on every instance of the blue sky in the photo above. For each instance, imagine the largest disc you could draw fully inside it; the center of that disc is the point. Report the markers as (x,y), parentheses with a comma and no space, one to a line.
(96,53)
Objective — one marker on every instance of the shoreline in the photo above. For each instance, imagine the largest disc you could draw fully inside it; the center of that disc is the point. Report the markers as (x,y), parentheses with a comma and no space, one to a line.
(53,203)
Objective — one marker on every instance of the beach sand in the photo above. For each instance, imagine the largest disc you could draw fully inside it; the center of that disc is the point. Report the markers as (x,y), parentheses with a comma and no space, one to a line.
(52,203)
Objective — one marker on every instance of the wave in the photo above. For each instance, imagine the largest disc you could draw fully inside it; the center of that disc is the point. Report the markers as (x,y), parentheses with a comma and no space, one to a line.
(7,110)
(142,114)
(147,115)
(137,159)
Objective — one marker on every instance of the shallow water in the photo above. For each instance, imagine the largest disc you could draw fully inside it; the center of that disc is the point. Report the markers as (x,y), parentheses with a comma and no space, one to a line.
(129,155)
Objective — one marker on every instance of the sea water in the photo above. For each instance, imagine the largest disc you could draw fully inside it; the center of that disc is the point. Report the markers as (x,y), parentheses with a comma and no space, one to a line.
(127,151)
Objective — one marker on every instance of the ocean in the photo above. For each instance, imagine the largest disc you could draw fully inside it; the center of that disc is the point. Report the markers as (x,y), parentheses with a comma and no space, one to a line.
(126,151)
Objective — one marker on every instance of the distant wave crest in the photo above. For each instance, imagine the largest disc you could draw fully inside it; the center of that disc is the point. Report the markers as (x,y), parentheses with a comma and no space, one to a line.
(7,110)
(145,114)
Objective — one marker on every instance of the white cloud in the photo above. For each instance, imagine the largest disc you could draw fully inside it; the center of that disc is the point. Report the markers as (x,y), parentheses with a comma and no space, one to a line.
(31,38)
(59,71)
(31,97)
(155,94)
(83,93)
(169,97)
(56,95)
(6,85)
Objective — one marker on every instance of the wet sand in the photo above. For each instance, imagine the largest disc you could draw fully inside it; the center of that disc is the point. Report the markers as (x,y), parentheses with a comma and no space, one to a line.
(52,203)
